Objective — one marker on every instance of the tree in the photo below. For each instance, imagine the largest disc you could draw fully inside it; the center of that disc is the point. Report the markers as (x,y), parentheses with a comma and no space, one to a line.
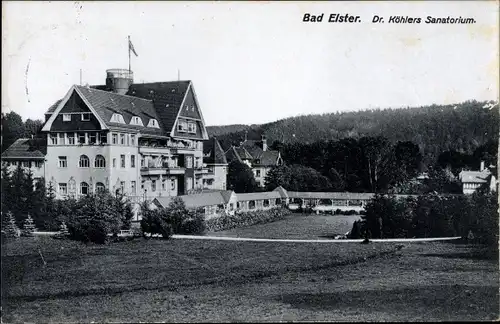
(12,129)
(9,226)
(28,226)
(240,177)
(32,127)
(7,202)
(376,154)
(336,180)
(380,216)
(277,176)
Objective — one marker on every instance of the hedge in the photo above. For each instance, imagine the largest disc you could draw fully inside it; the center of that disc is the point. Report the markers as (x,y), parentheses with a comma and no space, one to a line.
(242,219)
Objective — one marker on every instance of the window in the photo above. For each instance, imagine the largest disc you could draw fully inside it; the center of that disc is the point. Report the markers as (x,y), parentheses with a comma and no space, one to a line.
(136,121)
(92,138)
(122,186)
(53,139)
(63,189)
(60,138)
(117,118)
(132,161)
(132,187)
(182,126)
(14,163)
(257,173)
(192,127)
(66,117)
(122,139)
(103,138)
(84,188)
(27,164)
(84,161)
(142,161)
(71,139)
(143,182)
(99,187)
(122,161)
(63,162)
(164,185)
(132,140)
(153,185)
(153,123)
(172,184)
(189,183)
(38,164)
(114,162)
(85,117)
(114,138)
(100,161)
(81,138)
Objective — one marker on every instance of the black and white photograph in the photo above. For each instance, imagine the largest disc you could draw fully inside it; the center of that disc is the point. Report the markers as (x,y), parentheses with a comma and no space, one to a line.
(250,161)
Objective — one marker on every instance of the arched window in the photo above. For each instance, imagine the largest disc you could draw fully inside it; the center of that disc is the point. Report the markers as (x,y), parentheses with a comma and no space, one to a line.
(100,161)
(99,187)
(84,188)
(84,161)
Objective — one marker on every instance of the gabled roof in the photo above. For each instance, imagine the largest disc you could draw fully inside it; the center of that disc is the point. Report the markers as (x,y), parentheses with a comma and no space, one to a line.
(107,103)
(330,195)
(243,153)
(159,100)
(232,155)
(25,148)
(214,151)
(253,147)
(258,195)
(167,98)
(269,158)
(474,176)
(282,191)
(198,200)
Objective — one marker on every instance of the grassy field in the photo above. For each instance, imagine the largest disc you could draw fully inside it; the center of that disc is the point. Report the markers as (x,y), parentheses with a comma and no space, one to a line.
(184,280)
(296,226)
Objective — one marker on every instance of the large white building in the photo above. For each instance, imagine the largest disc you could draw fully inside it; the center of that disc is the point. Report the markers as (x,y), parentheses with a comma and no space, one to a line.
(143,140)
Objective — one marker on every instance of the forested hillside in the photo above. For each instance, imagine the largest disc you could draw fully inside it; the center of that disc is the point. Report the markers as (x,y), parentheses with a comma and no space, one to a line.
(462,127)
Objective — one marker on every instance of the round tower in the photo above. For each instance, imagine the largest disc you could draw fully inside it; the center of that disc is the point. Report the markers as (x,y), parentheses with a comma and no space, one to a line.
(119,80)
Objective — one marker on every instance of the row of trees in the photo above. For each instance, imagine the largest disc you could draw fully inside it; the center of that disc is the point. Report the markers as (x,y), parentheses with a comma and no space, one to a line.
(431,215)
(22,197)
(435,129)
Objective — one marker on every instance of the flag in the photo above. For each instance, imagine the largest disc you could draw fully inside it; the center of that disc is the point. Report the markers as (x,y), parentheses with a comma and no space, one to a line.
(131,47)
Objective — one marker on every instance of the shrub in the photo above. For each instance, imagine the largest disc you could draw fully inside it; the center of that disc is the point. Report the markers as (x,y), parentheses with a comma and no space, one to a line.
(28,226)
(193,223)
(242,219)
(355,232)
(154,222)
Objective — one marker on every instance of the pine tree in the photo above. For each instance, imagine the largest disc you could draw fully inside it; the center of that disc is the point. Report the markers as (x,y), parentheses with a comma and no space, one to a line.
(9,226)
(6,188)
(28,226)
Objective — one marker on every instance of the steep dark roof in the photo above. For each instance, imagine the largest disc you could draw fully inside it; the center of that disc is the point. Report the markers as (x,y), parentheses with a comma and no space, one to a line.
(107,103)
(243,153)
(26,148)
(166,97)
(269,158)
(53,107)
(159,100)
(214,151)
(232,155)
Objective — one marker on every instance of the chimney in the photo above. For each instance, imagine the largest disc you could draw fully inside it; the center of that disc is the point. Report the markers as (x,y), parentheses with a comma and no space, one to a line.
(264,142)
(481,168)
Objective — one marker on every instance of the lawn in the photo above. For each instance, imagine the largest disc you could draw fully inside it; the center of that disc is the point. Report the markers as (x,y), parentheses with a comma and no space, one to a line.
(188,280)
(296,226)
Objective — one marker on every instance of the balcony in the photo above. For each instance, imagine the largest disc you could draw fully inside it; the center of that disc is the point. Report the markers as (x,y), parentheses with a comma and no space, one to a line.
(201,170)
(163,169)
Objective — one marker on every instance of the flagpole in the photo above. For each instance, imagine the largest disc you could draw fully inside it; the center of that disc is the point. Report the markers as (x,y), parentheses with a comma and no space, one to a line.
(128,45)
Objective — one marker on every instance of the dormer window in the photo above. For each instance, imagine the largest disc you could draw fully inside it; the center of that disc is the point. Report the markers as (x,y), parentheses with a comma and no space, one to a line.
(117,118)
(153,123)
(66,117)
(136,121)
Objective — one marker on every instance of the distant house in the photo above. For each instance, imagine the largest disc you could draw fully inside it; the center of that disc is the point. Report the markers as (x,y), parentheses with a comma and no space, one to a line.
(472,180)
(29,153)
(215,162)
(257,156)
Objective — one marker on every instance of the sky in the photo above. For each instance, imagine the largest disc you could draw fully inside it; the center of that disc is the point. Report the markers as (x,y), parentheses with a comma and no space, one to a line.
(253,62)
